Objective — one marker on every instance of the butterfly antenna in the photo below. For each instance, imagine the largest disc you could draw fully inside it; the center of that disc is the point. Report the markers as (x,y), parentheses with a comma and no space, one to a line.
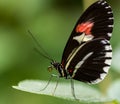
(37,50)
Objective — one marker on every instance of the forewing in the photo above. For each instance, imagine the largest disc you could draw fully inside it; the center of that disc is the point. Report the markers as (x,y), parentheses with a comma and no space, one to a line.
(91,61)
(95,22)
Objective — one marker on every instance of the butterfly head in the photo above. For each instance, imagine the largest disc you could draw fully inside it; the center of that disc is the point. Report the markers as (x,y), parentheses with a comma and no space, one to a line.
(58,67)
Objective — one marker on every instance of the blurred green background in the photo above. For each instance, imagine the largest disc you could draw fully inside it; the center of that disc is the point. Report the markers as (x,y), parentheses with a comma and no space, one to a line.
(51,22)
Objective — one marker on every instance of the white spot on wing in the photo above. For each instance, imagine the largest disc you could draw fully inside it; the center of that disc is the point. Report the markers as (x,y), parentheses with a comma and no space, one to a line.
(103,41)
(108,54)
(103,3)
(79,64)
(96,81)
(109,34)
(100,1)
(110,26)
(106,68)
(79,38)
(102,76)
(88,37)
(108,61)
(83,38)
(107,7)
(108,47)
(110,12)
(111,18)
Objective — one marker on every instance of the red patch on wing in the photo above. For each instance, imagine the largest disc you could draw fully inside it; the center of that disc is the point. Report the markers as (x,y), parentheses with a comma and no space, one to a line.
(62,64)
(85,27)
(70,70)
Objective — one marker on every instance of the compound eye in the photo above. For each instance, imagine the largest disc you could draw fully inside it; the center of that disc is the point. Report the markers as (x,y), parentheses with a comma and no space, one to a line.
(50,68)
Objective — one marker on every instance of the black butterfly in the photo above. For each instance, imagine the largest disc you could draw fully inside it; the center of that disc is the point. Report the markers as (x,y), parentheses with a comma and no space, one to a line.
(87,55)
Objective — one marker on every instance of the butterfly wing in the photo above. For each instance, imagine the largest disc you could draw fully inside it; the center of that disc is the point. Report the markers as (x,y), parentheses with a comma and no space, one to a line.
(95,22)
(91,61)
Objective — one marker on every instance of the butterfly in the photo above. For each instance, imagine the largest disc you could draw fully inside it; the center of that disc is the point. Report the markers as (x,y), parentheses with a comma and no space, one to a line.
(87,55)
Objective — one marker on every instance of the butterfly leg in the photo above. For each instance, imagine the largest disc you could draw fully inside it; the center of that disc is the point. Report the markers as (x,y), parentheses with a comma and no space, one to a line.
(72,88)
(52,75)
(56,84)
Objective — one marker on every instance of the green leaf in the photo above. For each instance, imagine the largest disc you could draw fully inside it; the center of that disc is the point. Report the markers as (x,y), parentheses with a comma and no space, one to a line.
(84,93)
(116,58)
(114,90)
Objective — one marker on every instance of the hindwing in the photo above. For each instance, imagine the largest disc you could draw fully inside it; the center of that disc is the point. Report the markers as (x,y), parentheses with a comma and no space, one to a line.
(91,61)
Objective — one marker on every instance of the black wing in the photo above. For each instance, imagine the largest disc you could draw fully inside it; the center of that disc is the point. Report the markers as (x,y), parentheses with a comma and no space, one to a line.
(95,22)
(91,61)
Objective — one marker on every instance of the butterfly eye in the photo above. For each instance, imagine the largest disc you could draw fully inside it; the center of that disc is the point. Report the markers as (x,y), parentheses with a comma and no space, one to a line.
(50,68)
